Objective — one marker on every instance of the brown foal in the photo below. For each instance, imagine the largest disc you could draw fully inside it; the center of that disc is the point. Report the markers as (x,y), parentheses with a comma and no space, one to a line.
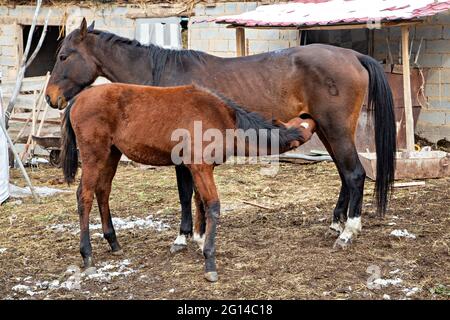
(139,121)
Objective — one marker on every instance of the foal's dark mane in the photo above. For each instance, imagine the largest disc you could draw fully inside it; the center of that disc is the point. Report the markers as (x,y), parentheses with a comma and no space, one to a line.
(159,57)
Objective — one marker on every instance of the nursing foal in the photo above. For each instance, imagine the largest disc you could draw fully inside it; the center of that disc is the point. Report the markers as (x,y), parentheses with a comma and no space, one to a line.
(144,123)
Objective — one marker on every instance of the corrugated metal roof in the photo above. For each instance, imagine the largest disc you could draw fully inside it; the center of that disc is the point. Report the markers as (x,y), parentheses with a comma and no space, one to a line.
(332,12)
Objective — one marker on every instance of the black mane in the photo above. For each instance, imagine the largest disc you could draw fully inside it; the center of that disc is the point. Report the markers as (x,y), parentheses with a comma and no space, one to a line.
(159,56)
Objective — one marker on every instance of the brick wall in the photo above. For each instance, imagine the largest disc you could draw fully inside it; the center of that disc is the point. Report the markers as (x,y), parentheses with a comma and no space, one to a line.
(218,40)
(434,56)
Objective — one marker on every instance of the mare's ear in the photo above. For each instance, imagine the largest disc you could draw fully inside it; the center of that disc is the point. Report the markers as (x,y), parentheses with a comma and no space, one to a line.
(278,123)
(91,27)
(83,28)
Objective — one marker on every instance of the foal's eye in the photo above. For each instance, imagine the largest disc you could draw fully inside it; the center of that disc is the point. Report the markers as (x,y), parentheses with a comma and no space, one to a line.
(62,57)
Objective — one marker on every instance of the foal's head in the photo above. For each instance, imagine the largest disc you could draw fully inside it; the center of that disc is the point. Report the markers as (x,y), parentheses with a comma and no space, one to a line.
(74,69)
(303,123)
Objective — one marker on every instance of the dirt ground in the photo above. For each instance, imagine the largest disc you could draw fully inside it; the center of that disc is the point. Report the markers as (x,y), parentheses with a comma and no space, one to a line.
(275,253)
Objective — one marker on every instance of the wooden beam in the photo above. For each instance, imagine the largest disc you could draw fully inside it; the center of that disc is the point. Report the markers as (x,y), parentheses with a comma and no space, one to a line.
(240,42)
(407,90)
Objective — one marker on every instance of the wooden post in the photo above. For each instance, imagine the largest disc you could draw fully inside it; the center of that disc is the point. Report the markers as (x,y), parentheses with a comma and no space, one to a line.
(240,42)
(407,90)
(300,33)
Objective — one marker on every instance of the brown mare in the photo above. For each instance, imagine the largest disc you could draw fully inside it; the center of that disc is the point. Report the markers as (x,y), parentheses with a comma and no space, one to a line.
(110,120)
(326,82)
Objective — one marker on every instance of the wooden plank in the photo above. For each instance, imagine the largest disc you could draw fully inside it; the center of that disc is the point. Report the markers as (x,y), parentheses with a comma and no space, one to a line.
(407,90)
(409,184)
(240,42)
(28,84)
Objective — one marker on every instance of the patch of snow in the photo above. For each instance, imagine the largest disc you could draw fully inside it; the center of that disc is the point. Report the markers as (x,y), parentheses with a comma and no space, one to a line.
(20,288)
(402,233)
(394,271)
(18,192)
(119,224)
(410,291)
(172,290)
(386,297)
(387,282)
(391,224)
(3,250)
(109,270)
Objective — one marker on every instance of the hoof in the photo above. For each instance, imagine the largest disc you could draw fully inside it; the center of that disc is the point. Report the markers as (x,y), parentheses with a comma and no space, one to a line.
(211,276)
(88,263)
(341,244)
(177,248)
(117,252)
(332,233)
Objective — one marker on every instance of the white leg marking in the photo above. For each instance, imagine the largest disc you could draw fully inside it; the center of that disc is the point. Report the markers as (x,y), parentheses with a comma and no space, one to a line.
(200,240)
(180,240)
(352,228)
(336,226)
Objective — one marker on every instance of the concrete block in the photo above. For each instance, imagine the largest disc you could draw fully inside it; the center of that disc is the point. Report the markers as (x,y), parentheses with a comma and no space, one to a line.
(227,34)
(438,46)
(441,18)
(8,61)
(269,34)
(278,45)
(218,45)
(209,34)
(230,8)
(232,46)
(430,116)
(438,75)
(7,41)
(251,34)
(446,60)
(432,90)
(218,10)
(446,32)
(258,46)
(250,6)
(201,45)
(9,51)
(428,32)
(8,30)
(199,10)
(430,60)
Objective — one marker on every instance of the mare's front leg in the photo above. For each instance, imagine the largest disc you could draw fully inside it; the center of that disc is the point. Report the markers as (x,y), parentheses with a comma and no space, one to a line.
(185,189)
(205,187)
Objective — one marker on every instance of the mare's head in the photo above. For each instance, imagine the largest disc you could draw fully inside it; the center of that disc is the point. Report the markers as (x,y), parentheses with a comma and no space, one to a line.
(74,70)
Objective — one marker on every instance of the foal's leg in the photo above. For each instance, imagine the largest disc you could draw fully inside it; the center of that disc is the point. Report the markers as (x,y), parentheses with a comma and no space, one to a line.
(185,188)
(102,193)
(206,188)
(85,197)
(200,222)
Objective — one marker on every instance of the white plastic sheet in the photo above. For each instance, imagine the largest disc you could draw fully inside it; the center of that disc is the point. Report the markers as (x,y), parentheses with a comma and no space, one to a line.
(4,165)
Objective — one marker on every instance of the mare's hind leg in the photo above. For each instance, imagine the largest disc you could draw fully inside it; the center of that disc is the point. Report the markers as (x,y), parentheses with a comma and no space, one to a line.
(102,192)
(200,222)
(341,141)
(185,188)
(340,211)
(206,188)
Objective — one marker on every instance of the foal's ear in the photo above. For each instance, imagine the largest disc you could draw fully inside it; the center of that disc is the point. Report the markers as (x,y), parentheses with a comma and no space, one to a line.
(83,28)
(91,27)
(278,123)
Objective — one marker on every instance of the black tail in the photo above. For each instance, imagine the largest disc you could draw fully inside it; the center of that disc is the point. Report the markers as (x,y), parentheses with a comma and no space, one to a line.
(69,153)
(381,103)
(251,120)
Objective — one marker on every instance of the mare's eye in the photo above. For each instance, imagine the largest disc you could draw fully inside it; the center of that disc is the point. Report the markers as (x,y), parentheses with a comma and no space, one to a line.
(62,57)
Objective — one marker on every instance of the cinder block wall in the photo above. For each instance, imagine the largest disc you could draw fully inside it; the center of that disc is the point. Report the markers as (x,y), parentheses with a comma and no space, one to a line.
(218,40)
(434,56)
(107,18)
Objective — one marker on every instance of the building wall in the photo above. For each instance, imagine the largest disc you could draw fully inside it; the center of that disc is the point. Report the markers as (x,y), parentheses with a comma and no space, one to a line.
(218,40)
(434,57)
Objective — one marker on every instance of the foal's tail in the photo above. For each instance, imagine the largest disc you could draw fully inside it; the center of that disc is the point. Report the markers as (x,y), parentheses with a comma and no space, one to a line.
(246,120)
(69,153)
(381,103)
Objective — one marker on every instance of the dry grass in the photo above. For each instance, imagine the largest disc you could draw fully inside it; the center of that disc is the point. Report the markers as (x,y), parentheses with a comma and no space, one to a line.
(262,254)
